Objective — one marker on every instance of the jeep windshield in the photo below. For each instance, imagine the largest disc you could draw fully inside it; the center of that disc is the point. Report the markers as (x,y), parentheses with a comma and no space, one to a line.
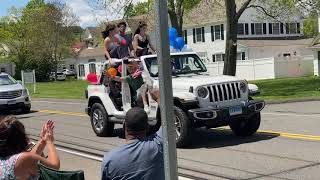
(7,80)
(180,64)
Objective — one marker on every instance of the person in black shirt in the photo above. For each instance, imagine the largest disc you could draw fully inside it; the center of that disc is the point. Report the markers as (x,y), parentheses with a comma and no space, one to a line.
(141,41)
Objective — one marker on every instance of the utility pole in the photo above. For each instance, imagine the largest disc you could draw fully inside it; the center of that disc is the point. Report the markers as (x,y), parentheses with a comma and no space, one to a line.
(166,97)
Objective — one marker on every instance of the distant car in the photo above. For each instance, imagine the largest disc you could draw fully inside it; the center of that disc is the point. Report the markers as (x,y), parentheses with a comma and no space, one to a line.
(68,72)
(13,95)
(60,76)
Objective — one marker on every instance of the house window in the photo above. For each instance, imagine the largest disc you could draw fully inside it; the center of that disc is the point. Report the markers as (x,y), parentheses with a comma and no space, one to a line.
(92,68)
(274,28)
(292,28)
(241,56)
(243,29)
(286,55)
(258,28)
(71,66)
(199,35)
(2,70)
(81,70)
(91,60)
(218,57)
(217,32)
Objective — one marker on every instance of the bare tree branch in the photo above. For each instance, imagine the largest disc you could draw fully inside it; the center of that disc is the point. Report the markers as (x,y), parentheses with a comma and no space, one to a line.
(242,9)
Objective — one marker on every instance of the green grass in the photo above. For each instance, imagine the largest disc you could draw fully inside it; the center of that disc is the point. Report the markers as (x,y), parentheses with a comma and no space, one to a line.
(69,89)
(289,88)
(276,89)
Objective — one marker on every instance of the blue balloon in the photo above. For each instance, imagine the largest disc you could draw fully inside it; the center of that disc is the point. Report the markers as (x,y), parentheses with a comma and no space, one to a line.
(180,43)
(174,44)
(173,34)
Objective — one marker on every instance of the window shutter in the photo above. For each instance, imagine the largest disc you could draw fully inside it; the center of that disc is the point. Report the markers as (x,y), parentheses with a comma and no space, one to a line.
(222,32)
(298,28)
(212,33)
(243,56)
(194,35)
(186,36)
(281,28)
(203,35)
(252,28)
(264,28)
(270,28)
(246,28)
(214,57)
(287,28)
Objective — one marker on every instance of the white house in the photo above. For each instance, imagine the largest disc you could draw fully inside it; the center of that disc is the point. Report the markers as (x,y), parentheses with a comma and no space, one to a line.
(204,31)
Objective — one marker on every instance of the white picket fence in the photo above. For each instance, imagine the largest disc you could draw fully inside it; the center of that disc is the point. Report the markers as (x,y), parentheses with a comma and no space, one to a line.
(268,68)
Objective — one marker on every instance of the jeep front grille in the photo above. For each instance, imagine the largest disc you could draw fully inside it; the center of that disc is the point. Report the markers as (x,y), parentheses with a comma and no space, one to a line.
(10,94)
(224,92)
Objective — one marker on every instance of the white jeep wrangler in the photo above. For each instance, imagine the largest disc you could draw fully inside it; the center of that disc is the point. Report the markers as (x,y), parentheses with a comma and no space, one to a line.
(200,100)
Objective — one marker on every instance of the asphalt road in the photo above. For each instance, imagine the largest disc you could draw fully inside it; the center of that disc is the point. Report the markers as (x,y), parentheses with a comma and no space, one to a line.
(287,146)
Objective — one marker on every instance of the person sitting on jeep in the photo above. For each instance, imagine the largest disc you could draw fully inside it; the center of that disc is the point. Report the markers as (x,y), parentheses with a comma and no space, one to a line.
(135,82)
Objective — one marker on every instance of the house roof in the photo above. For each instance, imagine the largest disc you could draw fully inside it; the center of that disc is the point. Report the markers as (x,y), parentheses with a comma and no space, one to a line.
(276,42)
(92,52)
(207,12)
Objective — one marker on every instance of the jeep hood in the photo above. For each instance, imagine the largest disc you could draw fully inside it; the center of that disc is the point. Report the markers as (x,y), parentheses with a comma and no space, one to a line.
(184,82)
(13,87)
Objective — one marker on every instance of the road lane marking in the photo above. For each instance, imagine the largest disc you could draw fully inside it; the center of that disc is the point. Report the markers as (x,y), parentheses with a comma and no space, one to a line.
(281,134)
(59,102)
(63,113)
(290,114)
(274,133)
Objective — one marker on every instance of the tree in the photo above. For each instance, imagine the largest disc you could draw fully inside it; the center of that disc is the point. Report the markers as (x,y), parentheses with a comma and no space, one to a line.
(140,8)
(32,37)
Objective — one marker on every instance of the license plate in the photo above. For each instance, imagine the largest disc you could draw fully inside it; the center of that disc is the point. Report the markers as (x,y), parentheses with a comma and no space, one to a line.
(11,102)
(235,110)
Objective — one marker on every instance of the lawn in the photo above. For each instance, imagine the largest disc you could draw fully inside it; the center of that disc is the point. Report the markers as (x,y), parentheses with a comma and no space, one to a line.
(276,89)
(70,89)
(289,88)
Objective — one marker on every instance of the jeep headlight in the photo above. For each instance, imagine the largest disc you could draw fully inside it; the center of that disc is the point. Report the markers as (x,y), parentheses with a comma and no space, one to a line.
(202,92)
(243,87)
(25,92)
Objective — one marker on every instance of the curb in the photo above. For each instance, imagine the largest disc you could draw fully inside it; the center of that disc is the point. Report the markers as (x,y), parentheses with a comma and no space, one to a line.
(293,100)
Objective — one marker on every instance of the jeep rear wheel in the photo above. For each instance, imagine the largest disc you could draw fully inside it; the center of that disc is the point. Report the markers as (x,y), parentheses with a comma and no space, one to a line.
(182,126)
(100,121)
(246,127)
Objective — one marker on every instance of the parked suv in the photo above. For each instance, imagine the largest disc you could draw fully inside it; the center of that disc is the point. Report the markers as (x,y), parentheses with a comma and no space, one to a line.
(200,99)
(13,95)
(60,76)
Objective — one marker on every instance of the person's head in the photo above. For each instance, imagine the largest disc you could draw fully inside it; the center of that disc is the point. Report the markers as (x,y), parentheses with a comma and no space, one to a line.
(136,123)
(122,26)
(13,138)
(132,67)
(142,28)
(110,30)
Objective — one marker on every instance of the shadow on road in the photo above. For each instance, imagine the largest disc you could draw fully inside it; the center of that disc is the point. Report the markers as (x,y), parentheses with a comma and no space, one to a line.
(216,138)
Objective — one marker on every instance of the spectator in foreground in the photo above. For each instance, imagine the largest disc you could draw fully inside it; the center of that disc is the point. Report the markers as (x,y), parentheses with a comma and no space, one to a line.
(15,161)
(141,157)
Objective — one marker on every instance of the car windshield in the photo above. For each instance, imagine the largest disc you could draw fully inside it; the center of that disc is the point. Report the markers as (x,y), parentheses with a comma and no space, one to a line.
(181,64)
(7,80)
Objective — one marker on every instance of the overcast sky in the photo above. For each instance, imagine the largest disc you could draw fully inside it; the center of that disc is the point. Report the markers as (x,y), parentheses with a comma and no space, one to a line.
(88,16)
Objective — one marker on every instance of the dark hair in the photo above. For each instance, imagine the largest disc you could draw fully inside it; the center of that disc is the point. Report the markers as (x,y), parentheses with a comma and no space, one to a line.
(141,25)
(106,32)
(136,120)
(122,23)
(13,138)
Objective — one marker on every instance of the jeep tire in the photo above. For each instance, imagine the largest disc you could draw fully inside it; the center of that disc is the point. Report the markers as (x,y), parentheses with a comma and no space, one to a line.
(100,121)
(246,127)
(183,127)
(26,109)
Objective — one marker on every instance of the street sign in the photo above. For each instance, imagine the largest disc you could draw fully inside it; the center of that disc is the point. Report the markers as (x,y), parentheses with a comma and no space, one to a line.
(166,94)
(29,77)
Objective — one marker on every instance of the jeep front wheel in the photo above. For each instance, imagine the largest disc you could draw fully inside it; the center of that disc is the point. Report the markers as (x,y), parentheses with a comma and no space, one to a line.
(246,127)
(99,121)
(182,126)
